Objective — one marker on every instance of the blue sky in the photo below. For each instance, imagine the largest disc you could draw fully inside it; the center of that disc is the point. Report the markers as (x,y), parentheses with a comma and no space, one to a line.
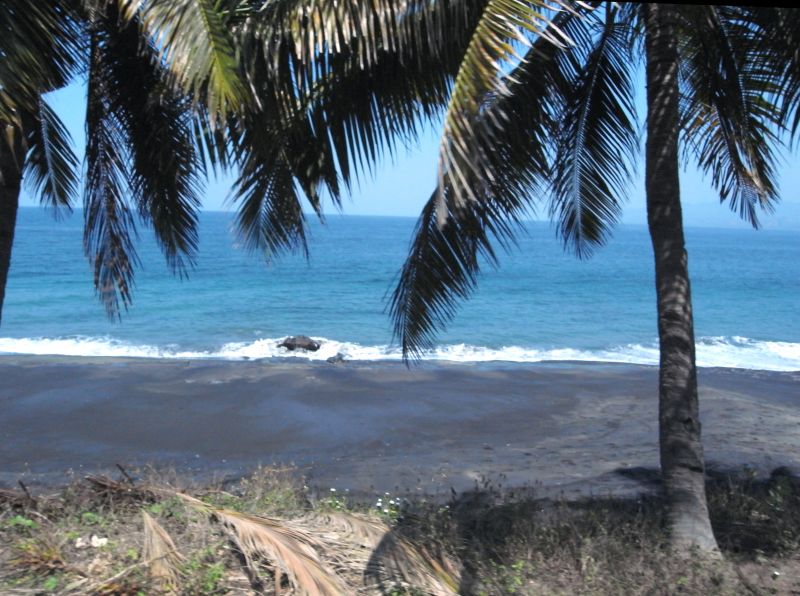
(401,186)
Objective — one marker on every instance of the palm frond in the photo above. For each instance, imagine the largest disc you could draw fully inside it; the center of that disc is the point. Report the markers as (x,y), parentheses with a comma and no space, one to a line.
(270,215)
(290,549)
(729,115)
(195,41)
(396,562)
(469,136)
(163,556)
(778,48)
(51,167)
(313,31)
(357,529)
(211,142)
(165,165)
(141,156)
(366,111)
(350,79)
(391,560)
(445,260)
(109,229)
(40,46)
(443,266)
(597,138)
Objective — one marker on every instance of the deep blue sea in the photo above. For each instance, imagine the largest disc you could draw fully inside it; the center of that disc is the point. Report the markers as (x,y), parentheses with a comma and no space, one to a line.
(541,304)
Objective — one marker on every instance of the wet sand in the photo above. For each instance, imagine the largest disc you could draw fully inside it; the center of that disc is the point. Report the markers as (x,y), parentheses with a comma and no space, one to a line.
(572,428)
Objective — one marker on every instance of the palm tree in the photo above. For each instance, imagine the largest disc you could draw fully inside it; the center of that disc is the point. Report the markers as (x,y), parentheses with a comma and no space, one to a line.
(143,155)
(38,53)
(557,121)
(708,86)
(168,96)
(292,91)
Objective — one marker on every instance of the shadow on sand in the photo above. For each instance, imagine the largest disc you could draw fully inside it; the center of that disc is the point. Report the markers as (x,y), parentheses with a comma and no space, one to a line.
(504,542)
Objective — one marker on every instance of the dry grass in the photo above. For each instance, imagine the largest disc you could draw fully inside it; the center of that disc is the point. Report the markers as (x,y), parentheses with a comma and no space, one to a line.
(158,535)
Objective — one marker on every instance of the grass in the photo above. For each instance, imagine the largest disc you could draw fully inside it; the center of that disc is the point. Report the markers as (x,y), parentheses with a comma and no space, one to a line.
(267,534)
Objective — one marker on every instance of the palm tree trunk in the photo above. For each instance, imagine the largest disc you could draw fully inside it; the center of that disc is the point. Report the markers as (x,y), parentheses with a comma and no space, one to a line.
(11,160)
(682,462)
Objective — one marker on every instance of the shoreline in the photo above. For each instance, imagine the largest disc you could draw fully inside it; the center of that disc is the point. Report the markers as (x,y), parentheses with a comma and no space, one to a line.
(571,428)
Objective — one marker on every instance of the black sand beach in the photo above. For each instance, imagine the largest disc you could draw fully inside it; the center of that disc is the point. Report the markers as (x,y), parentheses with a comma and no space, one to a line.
(572,428)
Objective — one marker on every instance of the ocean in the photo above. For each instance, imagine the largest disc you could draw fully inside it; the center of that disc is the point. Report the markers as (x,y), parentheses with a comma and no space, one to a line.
(541,304)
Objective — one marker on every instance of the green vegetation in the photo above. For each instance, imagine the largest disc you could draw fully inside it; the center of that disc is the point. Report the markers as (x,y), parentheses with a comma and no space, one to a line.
(297,95)
(268,527)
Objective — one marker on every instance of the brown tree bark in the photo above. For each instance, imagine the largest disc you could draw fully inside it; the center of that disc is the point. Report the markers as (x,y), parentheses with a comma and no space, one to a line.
(682,461)
(12,156)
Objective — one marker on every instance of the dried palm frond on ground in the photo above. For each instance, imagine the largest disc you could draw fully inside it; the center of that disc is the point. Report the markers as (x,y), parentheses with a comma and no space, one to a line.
(292,551)
(388,561)
(164,557)
(262,535)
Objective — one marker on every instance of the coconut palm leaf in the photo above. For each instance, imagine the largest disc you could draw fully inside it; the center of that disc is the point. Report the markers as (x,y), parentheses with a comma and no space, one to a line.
(396,562)
(163,556)
(349,113)
(270,216)
(444,261)
(729,119)
(109,230)
(366,111)
(778,46)
(40,50)
(51,166)
(290,549)
(393,559)
(140,157)
(598,139)
(348,95)
(164,164)
(312,31)
(471,133)
(195,41)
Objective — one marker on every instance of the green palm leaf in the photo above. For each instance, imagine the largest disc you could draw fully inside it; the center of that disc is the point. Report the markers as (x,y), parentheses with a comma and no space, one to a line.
(315,111)
(141,157)
(729,118)
(278,154)
(109,228)
(196,42)
(270,216)
(445,260)
(164,164)
(597,141)
(40,51)
(470,134)
(363,73)
(51,166)
(779,52)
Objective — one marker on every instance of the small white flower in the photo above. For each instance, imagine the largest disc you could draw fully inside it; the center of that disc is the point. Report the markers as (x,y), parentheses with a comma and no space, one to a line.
(97,542)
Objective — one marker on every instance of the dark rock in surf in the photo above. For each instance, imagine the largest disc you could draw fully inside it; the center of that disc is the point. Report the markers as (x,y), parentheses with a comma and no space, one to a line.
(336,359)
(299,342)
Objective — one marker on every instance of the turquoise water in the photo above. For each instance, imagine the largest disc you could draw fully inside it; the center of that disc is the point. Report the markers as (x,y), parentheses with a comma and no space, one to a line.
(541,304)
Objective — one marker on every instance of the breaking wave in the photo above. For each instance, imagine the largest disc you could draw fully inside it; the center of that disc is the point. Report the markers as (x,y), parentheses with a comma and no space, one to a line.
(733,352)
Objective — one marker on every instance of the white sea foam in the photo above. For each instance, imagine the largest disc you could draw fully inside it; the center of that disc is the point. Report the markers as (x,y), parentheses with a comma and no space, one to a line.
(734,352)
(89,346)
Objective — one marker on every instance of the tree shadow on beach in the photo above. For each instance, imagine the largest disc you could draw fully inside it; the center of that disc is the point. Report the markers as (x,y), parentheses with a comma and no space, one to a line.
(489,541)
(267,535)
